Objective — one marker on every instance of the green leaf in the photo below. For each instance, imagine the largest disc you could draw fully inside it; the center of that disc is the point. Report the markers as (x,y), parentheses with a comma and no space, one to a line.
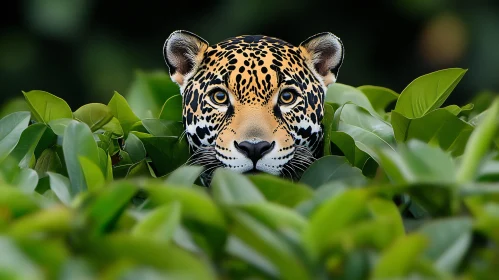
(11,128)
(135,148)
(428,92)
(200,215)
(399,259)
(327,122)
(50,220)
(341,94)
(149,91)
(179,263)
(78,141)
(121,110)
(158,127)
(418,162)
(139,169)
(95,115)
(236,247)
(347,208)
(383,209)
(269,244)
(184,175)
(281,191)
(449,240)
(13,105)
(48,161)
(60,185)
(47,107)
(113,127)
(346,144)
(94,178)
(17,265)
(439,127)
(331,168)
(172,109)
(196,203)
(100,215)
(231,188)
(279,218)
(367,131)
(160,223)
(166,152)
(26,180)
(17,202)
(379,97)
(24,151)
(58,126)
(479,143)
(456,110)
(105,165)
(320,195)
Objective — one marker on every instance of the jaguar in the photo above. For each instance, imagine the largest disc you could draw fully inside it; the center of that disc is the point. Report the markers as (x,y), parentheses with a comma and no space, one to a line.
(253,103)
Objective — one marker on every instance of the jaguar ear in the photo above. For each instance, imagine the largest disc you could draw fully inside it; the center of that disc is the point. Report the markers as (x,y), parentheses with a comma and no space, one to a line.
(324,52)
(183,52)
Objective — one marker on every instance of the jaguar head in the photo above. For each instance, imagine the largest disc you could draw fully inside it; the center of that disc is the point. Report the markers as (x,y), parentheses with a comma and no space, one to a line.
(253,103)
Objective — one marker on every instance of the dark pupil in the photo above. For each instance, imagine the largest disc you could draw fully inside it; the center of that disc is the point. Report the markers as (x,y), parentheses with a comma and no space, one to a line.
(220,96)
(286,96)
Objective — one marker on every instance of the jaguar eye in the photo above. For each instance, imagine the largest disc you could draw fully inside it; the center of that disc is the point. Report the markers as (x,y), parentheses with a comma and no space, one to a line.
(286,97)
(220,98)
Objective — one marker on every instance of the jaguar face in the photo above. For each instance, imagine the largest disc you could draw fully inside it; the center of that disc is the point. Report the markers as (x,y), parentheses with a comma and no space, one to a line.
(253,103)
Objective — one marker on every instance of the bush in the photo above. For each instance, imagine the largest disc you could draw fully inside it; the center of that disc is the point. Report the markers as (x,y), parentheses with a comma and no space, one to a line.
(405,189)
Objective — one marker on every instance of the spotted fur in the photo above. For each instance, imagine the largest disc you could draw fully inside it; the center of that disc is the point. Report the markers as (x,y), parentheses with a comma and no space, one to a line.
(253,71)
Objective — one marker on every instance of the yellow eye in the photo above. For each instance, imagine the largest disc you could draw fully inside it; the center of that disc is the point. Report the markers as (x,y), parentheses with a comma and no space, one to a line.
(220,98)
(287,97)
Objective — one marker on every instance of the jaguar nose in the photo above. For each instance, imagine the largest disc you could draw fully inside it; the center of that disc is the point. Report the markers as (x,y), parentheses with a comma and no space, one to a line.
(254,151)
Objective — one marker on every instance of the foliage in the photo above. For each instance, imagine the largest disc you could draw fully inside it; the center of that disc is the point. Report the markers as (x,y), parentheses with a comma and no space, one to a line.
(102,192)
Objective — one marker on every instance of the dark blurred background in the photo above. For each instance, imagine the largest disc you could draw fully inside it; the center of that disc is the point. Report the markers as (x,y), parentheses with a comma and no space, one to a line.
(83,50)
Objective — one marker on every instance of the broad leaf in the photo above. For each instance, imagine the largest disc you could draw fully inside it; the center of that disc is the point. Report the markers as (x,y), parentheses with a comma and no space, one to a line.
(159,224)
(149,91)
(270,244)
(167,152)
(94,179)
(172,109)
(439,127)
(122,111)
(60,185)
(26,180)
(159,127)
(449,240)
(58,126)
(24,151)
(11,128)
(47,107)
(331,168)
(400,258)
(346,208)
(95,115)
(367,131)
(379,97)
(78,141)
(327,121)
(341,94)
(184,175)
(428,92)
(135,148)
(100,215)
(231,188)
(196,204)
(280,190)
(418,162)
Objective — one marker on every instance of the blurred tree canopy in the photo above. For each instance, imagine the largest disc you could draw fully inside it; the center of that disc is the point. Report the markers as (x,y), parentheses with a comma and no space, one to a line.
(83,50)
